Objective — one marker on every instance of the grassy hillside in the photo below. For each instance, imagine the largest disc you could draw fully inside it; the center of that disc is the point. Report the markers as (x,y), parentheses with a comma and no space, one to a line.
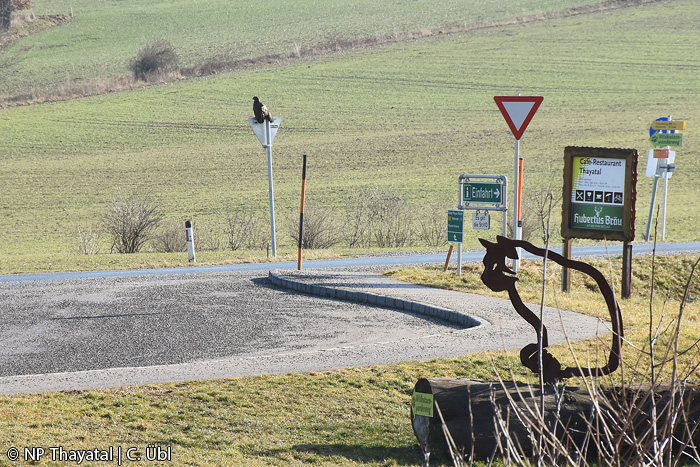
(104,35)
(404,118)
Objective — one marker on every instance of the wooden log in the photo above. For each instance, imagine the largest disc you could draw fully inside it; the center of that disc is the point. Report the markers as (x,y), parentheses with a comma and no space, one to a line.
(471,409)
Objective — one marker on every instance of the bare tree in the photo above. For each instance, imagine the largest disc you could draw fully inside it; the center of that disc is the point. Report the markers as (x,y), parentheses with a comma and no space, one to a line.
(540,200)
(131,220)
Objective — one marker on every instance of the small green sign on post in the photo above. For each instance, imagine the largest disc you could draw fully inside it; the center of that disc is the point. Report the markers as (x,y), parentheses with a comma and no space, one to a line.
(455,226)
(666,139)
(422,404)
(483,192)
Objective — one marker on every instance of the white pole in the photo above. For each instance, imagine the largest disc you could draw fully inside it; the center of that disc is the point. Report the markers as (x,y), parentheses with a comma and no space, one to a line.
(651,208)
(663,211)
(460,200)
(268,146)
(517,229)
(504,192)
(459,259)
(190,241)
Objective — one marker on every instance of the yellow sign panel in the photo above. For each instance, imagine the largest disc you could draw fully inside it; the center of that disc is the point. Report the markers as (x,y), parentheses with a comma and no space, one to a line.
(659,125)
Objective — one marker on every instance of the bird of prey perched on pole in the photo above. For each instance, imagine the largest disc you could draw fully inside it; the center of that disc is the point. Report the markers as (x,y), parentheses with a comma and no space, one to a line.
(260,111)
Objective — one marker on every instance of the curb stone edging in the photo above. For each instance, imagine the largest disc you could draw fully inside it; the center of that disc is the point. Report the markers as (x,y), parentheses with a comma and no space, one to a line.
(432,311)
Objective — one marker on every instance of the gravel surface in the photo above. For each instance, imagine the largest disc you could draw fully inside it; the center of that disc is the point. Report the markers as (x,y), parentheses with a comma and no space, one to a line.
(97,324)
(115,328)
(104,332)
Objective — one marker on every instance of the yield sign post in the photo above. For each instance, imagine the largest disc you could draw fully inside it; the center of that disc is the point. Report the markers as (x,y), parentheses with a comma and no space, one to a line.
(518,112)
(266,134)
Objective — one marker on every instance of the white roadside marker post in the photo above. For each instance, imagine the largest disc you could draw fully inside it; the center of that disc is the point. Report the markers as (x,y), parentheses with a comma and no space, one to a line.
(190,241)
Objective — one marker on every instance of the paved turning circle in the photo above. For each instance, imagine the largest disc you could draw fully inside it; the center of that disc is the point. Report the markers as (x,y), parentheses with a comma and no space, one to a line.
(94,324)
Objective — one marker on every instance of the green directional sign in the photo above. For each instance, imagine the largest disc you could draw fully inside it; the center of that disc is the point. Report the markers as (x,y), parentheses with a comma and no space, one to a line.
(483,193)
(667,139)
(455,226)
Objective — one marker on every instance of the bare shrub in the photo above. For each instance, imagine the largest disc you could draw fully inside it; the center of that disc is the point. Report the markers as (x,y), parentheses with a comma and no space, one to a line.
(432,225)
(207,237)
(155,57)
(356,226)
(390,221)
(378,219)
(321,230)
(171,237)
(88,241)
(130,221)
(244,231)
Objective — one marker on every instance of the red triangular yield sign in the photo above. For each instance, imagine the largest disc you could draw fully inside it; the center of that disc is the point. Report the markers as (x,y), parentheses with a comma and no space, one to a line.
(518,111)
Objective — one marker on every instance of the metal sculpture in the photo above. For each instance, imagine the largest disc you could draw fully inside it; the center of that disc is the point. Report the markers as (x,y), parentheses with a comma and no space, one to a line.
(499,277)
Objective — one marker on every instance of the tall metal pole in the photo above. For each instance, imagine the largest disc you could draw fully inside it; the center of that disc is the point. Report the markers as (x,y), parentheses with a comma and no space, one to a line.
(663,211)
(460,201)
(268,146)
(301,212)
(517,228)
(651,208)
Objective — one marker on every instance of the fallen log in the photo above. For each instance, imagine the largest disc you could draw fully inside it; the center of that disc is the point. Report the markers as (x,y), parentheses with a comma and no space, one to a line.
(472,419)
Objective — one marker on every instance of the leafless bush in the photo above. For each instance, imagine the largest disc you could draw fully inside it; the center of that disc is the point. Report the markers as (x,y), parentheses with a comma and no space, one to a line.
(171,237)
(243,230)
(207,238)
(390,221)
(431,230)
(130,221)
(378,219)
(356,227)
(321,230)
(88,241)
(154,58)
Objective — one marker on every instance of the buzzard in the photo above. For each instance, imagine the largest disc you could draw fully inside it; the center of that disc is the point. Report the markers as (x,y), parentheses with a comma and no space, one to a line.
(260,111)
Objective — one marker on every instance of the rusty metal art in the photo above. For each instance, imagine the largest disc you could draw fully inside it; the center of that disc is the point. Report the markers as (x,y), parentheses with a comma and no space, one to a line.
(498,277)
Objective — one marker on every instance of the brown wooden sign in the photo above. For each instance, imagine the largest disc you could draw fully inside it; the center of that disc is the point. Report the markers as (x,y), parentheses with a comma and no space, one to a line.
(600,193)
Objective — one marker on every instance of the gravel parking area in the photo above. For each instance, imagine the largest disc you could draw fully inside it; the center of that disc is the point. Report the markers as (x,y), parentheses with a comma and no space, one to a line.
(115,331)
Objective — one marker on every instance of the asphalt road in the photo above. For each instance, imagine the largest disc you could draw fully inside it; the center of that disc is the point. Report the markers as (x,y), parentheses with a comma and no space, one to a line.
(612,249)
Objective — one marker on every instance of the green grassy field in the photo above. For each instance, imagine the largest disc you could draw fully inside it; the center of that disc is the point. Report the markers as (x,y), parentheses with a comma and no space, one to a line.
(401,117)
(405,118)
(104,35)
